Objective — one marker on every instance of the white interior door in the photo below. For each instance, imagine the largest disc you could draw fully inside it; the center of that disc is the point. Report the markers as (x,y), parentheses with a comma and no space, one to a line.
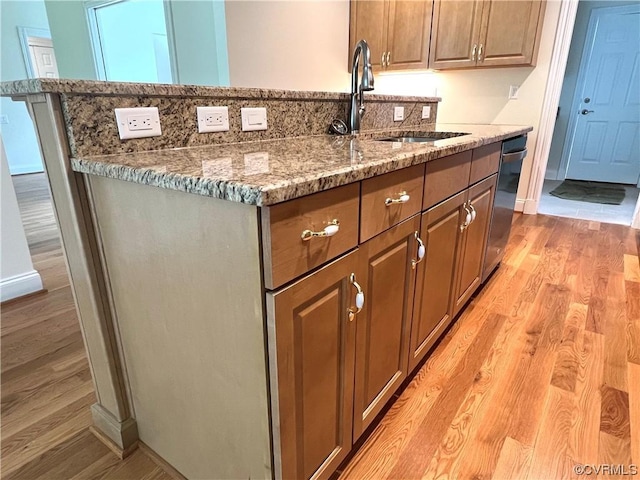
(43,58)
(606,137)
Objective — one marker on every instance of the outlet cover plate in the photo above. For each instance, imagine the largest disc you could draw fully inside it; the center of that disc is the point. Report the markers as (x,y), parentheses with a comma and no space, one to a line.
(213,119)
(138,122)
(253,119)
(426,112)
(398,114)
(513,92)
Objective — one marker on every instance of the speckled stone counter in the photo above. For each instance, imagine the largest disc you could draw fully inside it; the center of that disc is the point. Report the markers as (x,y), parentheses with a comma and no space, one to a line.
(267,172)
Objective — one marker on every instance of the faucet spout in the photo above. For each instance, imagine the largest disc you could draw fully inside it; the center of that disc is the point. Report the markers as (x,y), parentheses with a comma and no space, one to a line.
(357,88)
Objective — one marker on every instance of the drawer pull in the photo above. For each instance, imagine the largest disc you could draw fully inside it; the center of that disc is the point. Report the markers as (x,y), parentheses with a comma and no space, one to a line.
(467,219)
(328,231)
(359,298)
(403,198)
(473,213)
(421,251)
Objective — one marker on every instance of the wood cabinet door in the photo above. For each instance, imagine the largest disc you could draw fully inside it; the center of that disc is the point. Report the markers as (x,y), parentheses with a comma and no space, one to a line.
(432,311)
(383,326)
(313,342)
(409,33)
(510,32)
(455,32)
(368,21)
(474,241)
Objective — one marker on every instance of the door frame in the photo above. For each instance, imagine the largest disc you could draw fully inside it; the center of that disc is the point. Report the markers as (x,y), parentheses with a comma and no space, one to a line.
(577,94)
(24,33)
(553,88)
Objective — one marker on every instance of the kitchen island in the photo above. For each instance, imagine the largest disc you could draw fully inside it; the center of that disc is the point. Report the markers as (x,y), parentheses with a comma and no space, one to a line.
(250,307)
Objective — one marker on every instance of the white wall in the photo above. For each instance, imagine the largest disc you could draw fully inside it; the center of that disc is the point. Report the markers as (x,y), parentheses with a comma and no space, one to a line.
(19,135)
(292,45)
(570,78)
(17,276)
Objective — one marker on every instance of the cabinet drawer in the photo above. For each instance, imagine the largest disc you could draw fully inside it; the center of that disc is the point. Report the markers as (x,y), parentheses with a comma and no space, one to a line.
(389,199)
(485,162)
(445,177)
(286,254)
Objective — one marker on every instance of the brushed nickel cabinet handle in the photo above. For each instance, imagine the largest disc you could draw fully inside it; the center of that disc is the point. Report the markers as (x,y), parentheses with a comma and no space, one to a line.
(467,219)
(421,250)
(359,298)
(382,60)
(402,198)
(480,53)
(329,231)
(388,58)
(473,52)
(473,212)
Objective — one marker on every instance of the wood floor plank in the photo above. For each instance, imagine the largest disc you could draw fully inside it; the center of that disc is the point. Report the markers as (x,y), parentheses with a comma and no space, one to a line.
(550,450)
(614,414)
(565,370)
(584,434)
(631,268)
(632,290)
(514,461)
(614,455)
(634,411)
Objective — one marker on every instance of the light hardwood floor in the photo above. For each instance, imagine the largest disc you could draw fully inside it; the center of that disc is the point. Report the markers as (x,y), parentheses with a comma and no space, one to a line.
(541,371)
(46,384)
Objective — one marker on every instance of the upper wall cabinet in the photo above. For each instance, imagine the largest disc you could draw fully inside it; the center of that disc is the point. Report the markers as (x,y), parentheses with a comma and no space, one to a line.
(397,32)
(485,33)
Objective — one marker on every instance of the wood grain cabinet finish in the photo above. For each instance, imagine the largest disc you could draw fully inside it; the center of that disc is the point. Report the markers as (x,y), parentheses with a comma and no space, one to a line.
(485,161)
(397,32)
(389,199)
(314,350)
(383,326)
(485,33)
(445,177)
(432,311)
(473,242)
(286,255)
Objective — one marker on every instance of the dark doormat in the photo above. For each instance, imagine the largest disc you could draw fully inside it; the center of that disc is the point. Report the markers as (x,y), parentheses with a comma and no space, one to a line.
(593,192)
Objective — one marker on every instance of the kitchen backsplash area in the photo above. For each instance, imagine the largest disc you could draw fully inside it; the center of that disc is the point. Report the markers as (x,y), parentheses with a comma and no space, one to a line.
(92,129)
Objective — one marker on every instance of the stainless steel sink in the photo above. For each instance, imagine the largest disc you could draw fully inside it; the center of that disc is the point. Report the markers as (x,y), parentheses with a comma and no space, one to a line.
(419,137)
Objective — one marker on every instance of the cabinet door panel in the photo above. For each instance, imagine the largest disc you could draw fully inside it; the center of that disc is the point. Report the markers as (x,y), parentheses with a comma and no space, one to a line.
(369,22)
(474,243)
(409,33)
(510,32)
(440,231)
(456,29)
(314,347)
(383,325)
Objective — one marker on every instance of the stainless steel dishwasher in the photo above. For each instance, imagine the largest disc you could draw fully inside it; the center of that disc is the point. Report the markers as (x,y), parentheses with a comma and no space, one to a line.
(513,152)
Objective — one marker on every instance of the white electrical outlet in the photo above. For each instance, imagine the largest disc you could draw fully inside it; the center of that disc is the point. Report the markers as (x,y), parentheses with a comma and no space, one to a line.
(398,114)
(213,119)
(426,112)
(138,122)
(513,92)
(253,119)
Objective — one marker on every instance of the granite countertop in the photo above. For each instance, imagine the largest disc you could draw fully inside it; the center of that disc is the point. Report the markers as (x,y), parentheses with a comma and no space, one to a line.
(271,171)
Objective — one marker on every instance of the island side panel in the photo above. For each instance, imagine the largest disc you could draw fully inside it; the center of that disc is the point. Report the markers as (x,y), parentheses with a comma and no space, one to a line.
(186,286)
(111,414)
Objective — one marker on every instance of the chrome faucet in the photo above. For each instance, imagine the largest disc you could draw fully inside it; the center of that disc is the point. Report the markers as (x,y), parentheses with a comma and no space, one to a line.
(366,84)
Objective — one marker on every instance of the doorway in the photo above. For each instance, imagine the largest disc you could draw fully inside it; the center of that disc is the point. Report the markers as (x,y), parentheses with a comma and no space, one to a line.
(129,40)
(597,132)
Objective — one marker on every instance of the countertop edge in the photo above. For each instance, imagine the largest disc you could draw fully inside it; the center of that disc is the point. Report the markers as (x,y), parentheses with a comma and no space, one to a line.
(265,196)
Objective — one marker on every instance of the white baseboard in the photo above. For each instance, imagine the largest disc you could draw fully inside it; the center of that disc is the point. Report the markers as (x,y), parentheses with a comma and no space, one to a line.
(25,169)
(19,285)
(519,205)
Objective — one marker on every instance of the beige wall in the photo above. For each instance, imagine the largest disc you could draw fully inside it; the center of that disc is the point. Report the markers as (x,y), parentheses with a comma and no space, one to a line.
(17,276)
(291,45)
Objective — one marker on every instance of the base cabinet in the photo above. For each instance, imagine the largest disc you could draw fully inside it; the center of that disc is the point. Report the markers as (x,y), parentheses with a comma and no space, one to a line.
(343,338)
(382,328)
(440,232)
(315,344)
(473,240)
